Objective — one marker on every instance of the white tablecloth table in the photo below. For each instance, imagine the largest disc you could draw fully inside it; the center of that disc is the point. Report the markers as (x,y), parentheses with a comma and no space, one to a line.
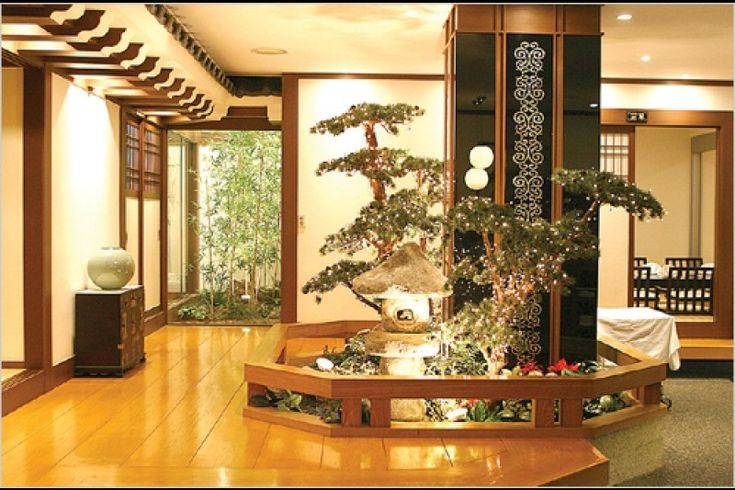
(650,331)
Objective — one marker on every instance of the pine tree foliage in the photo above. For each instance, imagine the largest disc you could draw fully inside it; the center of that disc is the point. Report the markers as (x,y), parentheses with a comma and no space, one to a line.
(393,216)
(524,258)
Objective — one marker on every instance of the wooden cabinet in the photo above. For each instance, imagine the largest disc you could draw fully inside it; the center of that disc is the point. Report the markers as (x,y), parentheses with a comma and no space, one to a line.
(108,336)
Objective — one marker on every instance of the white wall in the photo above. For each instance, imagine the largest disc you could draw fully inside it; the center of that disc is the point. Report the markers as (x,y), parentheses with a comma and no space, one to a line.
(12,215)
(131,228)
(85,177)
(707,241)
(613,263)
(176,232)
(671,97)
(333,200)
(663,162)
(151,252)
(613,228)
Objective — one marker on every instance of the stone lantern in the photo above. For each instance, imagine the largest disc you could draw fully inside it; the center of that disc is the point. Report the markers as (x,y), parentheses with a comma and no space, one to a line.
(404,283)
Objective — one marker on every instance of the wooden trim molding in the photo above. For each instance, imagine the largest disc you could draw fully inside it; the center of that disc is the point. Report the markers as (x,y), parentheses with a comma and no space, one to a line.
(722,121)
(60,373)
(167,18)
(154,319)
(289,198)
(20,389)
(32,383)
(364,76)
(37,217)
(11,59)
(667,81)
(13,364)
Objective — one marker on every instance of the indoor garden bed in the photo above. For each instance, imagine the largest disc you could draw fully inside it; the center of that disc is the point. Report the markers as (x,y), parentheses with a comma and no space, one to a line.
(558,406)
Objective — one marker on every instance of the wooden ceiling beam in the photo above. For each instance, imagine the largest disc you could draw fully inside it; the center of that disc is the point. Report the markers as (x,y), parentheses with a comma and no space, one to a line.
(185,95)
(32,14)
(39,37)
(195,102)
(206,108)
(162,76)
(174,87)
(86,59)
(89,20)
(113,37)
(100,73)
(162,108)
(245,111)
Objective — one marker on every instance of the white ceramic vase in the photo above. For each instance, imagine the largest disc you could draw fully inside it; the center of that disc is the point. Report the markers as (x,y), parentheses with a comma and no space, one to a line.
(111,267)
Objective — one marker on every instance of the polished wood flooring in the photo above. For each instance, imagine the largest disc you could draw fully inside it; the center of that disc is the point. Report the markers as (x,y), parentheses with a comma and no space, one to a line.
(177,420)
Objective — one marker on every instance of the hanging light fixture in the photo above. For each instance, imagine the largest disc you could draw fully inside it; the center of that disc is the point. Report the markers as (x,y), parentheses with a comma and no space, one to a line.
(481,157)
(476,179)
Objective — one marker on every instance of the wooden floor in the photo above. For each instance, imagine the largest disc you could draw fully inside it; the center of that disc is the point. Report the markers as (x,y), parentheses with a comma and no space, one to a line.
(177,421)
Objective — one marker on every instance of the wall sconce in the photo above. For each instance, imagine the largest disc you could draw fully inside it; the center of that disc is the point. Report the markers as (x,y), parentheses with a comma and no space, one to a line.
(481,157)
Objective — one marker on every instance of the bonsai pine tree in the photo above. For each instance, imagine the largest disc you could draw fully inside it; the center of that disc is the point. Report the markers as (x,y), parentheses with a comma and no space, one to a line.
(393,215)
(522,259)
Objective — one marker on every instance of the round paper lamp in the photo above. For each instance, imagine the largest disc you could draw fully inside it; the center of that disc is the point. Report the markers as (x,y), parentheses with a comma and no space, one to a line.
(476,179)
(481,156)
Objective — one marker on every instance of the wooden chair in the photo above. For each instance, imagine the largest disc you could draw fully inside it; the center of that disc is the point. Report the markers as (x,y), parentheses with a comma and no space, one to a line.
(639,261)
(689,291)
(644,293)
(684,261)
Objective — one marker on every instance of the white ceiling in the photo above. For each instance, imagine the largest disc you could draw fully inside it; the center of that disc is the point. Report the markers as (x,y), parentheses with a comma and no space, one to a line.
(693,39)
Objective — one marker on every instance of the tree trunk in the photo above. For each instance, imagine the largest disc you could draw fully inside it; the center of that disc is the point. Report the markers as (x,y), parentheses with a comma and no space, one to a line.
(210,246)
(495,359)
(253,269)
(376,185)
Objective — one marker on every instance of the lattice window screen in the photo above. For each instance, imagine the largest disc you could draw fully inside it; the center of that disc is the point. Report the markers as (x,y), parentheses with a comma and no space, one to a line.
(614,153)
(132,157)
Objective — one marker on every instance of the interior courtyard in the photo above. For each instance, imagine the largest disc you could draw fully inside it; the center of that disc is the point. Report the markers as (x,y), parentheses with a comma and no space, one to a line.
(371,244)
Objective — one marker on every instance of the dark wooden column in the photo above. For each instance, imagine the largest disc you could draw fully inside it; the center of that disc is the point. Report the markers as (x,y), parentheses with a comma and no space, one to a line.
(37,217)
(534,125)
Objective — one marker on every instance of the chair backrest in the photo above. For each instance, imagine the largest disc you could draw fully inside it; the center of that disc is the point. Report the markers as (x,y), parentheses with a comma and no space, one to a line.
(643,293)
(639,261)
(689,290)
(684,261)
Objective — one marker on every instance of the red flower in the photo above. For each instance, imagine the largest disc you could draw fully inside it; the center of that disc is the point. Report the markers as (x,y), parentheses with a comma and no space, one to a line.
(471,402)
(530,366)
(563,366)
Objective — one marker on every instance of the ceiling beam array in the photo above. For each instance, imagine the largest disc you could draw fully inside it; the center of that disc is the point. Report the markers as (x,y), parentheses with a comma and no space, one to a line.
(83,45)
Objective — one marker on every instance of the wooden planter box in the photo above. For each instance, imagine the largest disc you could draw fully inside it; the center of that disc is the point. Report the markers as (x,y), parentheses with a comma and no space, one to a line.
(635,371)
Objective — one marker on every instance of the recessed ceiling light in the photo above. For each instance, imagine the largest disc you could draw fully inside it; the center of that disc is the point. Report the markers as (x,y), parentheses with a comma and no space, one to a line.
(624,17)
(645,58)
(268,51)
(411,13)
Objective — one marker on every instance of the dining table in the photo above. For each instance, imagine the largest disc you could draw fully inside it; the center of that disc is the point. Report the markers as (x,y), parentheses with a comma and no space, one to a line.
(652,332)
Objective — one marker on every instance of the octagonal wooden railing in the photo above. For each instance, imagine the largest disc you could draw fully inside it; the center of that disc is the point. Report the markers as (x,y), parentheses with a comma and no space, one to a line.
(634,371)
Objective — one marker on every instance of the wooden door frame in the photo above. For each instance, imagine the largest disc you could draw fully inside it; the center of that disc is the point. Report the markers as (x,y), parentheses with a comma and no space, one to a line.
(154,318)
(722,122)
(253,119)
(40,375)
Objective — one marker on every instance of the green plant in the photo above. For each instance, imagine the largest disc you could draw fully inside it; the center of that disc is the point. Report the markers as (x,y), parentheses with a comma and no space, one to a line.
(284,400)
(191,313)
(522,258)
(239,219)
(391,217)
(353,359)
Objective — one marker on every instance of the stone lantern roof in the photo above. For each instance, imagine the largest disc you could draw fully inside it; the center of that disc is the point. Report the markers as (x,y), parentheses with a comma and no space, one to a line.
(406,272)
